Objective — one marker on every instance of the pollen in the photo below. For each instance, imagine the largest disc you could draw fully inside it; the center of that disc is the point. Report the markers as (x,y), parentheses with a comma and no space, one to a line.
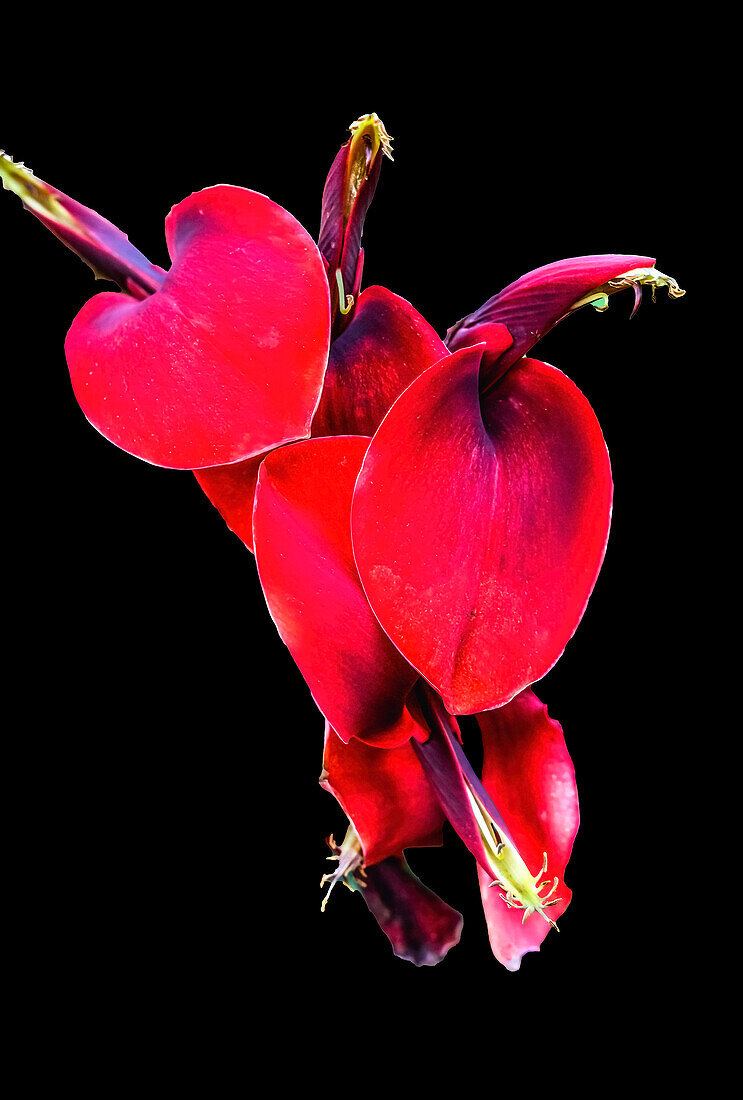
(374,124)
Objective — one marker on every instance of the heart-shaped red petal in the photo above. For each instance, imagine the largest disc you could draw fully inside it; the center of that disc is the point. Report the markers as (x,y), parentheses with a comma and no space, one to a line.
(480,524)
(227,358)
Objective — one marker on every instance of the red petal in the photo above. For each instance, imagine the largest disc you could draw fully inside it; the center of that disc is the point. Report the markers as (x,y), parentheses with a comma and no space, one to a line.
(385,347)
(419,925)
(533,304)
(231,489)
(528,771)
(303,550)
(385,795)
(479,525)
(224,361)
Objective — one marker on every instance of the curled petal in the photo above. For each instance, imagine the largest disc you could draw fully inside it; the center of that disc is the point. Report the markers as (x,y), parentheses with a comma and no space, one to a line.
(533,304)
(385,795)
(226,359)
(301,527)
(480,525)
(527,769)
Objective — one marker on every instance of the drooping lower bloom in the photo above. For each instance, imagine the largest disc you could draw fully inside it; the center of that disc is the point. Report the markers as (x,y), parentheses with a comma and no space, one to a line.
(387,795)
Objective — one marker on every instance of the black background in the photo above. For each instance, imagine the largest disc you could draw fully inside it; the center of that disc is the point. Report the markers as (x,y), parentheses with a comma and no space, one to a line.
(164,752)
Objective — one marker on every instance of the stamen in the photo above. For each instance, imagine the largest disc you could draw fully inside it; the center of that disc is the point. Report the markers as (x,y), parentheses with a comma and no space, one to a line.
(350,870)
(374,122)
(647,276)
(342,296)
(544,868)
(522,890)
(636,278)
(549,892)
(471,810)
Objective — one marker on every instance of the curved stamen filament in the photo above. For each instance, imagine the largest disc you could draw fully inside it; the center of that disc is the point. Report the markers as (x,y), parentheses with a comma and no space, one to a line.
(342,296)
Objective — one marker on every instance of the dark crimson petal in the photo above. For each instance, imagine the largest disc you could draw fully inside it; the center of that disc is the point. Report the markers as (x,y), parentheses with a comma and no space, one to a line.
(533,304)
(528,771)
(301,526)
(385,795)
(479,528)
(420,926)
(227,359)
(384,348)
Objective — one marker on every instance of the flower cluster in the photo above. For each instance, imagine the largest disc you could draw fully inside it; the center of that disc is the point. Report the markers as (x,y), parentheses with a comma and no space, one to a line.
(428,516)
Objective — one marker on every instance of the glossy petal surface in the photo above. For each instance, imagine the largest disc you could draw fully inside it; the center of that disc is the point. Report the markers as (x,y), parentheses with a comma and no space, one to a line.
(479,526)
(385,795)
(225,360)
(528,771)
(533,304)
(301,526)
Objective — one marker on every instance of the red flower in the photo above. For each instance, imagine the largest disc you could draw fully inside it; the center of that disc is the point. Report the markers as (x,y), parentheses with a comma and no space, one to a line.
(427,553)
